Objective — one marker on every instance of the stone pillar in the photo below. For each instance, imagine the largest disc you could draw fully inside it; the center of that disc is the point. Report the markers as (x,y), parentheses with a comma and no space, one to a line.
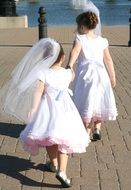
(9,17)
(7,8)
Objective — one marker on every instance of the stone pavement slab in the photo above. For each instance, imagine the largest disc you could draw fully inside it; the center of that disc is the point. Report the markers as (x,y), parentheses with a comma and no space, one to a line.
(107,163)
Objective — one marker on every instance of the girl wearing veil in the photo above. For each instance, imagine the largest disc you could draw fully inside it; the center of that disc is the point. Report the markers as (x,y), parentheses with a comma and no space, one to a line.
(95,75)
(38,94)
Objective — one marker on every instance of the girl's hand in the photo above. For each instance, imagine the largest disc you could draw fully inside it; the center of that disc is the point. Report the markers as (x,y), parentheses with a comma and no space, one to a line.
(68,67)
(113,82)
(31,113)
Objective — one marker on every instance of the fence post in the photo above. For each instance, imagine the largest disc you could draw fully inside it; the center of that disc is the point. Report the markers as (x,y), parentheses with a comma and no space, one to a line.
(7,8)
(42,23)
(129,43)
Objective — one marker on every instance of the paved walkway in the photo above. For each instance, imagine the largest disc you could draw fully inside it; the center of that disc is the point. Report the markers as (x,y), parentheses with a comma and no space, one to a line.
(107,163)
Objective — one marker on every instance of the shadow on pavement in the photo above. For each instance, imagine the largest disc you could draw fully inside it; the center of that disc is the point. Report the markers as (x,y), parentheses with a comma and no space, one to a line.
(12,166)
(12,130)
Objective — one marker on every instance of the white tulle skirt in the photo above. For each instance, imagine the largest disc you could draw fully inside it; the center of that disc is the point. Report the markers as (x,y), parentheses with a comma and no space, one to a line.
(93,94)
(56,122)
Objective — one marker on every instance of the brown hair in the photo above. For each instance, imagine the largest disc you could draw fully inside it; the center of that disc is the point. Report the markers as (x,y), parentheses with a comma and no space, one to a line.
(61,53)
(88,19)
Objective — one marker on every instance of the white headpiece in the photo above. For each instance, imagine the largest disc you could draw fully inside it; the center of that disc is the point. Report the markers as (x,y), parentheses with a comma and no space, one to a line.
(18,92)
(87,5)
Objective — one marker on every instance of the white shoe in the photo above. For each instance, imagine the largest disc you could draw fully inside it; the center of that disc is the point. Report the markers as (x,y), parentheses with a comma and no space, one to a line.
(61,176)
(96,134)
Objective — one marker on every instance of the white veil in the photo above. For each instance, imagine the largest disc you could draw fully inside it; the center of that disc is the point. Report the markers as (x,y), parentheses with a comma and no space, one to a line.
(16,96)
(87,5)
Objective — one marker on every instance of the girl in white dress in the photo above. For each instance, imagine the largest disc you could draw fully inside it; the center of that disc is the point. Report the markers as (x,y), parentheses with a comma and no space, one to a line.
(95,75)
(41,92)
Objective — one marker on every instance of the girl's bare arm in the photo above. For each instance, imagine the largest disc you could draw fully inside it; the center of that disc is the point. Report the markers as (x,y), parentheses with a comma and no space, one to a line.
(110,66)
(74,53)
(39,90)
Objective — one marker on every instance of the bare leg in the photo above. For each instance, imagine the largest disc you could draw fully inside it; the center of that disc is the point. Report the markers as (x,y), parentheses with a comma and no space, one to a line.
(88,127)
(53,154)
(97,125)
(62,161)
(61,174)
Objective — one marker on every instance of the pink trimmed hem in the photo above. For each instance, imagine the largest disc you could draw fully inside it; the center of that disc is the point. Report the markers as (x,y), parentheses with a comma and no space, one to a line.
(32,145)
(100,118)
